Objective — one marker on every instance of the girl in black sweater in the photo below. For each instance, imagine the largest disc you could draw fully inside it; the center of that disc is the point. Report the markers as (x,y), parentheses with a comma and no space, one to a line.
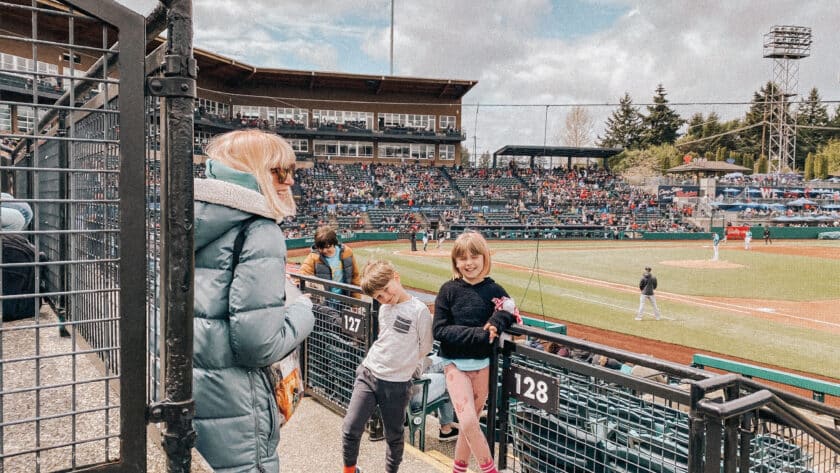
(471,310)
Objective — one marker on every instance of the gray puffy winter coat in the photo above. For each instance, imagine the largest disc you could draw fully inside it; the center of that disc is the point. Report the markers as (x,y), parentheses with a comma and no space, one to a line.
(241,324)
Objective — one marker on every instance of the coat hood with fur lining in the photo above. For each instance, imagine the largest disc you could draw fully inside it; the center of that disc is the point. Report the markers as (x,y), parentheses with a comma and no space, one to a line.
(221,206)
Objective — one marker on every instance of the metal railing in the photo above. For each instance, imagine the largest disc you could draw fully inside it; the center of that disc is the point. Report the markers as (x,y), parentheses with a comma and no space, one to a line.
(552,413)
(345,329)
(70,398)
(757,431)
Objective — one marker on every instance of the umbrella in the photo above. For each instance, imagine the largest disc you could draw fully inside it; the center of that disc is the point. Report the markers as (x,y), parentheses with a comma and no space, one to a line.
(730,190)
(800,202)
(754,191)
(831,206)
(793,191)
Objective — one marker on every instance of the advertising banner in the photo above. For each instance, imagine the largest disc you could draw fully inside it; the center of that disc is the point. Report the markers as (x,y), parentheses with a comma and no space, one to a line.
(736,233)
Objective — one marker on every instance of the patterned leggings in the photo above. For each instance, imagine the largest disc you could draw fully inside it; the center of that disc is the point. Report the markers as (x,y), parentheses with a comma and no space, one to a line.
(468,392)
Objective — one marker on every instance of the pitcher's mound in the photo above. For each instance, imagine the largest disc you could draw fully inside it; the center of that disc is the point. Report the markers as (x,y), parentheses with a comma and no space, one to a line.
(702,264)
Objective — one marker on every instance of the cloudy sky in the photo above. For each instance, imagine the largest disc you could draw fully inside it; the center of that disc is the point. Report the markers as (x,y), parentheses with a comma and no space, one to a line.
(533,58)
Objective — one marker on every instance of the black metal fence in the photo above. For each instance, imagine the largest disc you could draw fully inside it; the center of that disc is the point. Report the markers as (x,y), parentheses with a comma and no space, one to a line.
(563,414)
(755,430)
(632,413)
(345,328)
(69,394)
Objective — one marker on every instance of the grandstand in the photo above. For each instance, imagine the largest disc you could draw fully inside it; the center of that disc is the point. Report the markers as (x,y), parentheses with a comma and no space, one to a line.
(532,203)
(342,118)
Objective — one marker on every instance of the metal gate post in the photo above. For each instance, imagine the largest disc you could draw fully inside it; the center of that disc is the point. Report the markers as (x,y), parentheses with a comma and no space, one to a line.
(696,432)
(177,259)
(492,397)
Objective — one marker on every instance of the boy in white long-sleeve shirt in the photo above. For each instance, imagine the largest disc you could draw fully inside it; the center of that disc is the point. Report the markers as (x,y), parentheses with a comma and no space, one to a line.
(384,377)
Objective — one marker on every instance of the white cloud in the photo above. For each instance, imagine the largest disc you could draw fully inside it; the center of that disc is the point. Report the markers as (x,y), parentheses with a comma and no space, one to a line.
(700,51)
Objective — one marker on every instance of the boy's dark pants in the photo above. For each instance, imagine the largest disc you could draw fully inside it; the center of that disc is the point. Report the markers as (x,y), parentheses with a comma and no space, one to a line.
(392,398)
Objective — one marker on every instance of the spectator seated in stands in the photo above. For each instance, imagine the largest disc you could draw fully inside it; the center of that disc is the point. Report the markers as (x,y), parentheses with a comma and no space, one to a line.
(396,197)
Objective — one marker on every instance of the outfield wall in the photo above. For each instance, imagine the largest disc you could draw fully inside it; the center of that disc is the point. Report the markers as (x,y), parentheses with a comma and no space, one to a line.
(781,233)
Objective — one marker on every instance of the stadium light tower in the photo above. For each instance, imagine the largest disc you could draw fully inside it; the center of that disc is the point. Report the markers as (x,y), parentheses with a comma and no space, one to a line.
(392,37)
(785,45)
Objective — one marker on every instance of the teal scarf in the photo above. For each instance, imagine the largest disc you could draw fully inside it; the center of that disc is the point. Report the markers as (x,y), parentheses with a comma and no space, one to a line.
(217,170)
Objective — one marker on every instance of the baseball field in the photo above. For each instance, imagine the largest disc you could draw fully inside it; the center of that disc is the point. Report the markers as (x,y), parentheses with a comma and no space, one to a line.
(776,305)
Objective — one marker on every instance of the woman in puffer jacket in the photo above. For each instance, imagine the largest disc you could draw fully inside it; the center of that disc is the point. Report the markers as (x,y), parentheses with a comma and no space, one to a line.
(241,320)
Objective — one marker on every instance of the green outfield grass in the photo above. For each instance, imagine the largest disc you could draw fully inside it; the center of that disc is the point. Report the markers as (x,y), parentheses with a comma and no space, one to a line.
(763,276)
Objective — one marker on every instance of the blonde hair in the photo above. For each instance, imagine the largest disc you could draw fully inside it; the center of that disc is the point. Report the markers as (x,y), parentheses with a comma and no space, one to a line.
(470,243)
(376,275)
(257,153)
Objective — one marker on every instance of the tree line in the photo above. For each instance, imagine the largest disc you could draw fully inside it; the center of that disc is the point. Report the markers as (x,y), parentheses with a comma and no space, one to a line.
(657,138)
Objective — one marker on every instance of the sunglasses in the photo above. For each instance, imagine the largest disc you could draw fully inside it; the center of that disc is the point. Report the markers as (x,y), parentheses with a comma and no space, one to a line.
(283,173)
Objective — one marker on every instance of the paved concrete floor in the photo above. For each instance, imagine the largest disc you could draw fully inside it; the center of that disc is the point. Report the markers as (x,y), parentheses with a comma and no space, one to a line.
(311,442)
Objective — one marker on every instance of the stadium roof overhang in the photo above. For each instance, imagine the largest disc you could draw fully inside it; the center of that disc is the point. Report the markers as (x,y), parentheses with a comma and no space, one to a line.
(231,71)
(567,152)
(558,151)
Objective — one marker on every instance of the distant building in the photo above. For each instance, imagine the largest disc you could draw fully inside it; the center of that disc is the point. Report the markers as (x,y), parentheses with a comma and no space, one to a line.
(344,118)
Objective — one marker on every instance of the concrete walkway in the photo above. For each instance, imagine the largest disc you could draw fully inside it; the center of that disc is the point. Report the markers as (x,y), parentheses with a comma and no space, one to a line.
(312,442)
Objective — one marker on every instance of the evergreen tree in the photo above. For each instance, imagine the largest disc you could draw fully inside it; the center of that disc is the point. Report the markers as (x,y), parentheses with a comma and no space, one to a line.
(762,165)
(688,142)
(809,167)
(731,139)
(711,127)
(676,160)
(695,125)
(830,160)
(661,123)
(759,112)
(811,112)
(826,170)
(624,126)
(647,162)
(749,162)
(834,123)
(820,165)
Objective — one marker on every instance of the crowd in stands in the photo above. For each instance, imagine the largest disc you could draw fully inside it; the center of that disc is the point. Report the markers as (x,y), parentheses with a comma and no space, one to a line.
(510,203)
(405,198)
(374,185)
(533,203)
(594,196)
(284,124)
